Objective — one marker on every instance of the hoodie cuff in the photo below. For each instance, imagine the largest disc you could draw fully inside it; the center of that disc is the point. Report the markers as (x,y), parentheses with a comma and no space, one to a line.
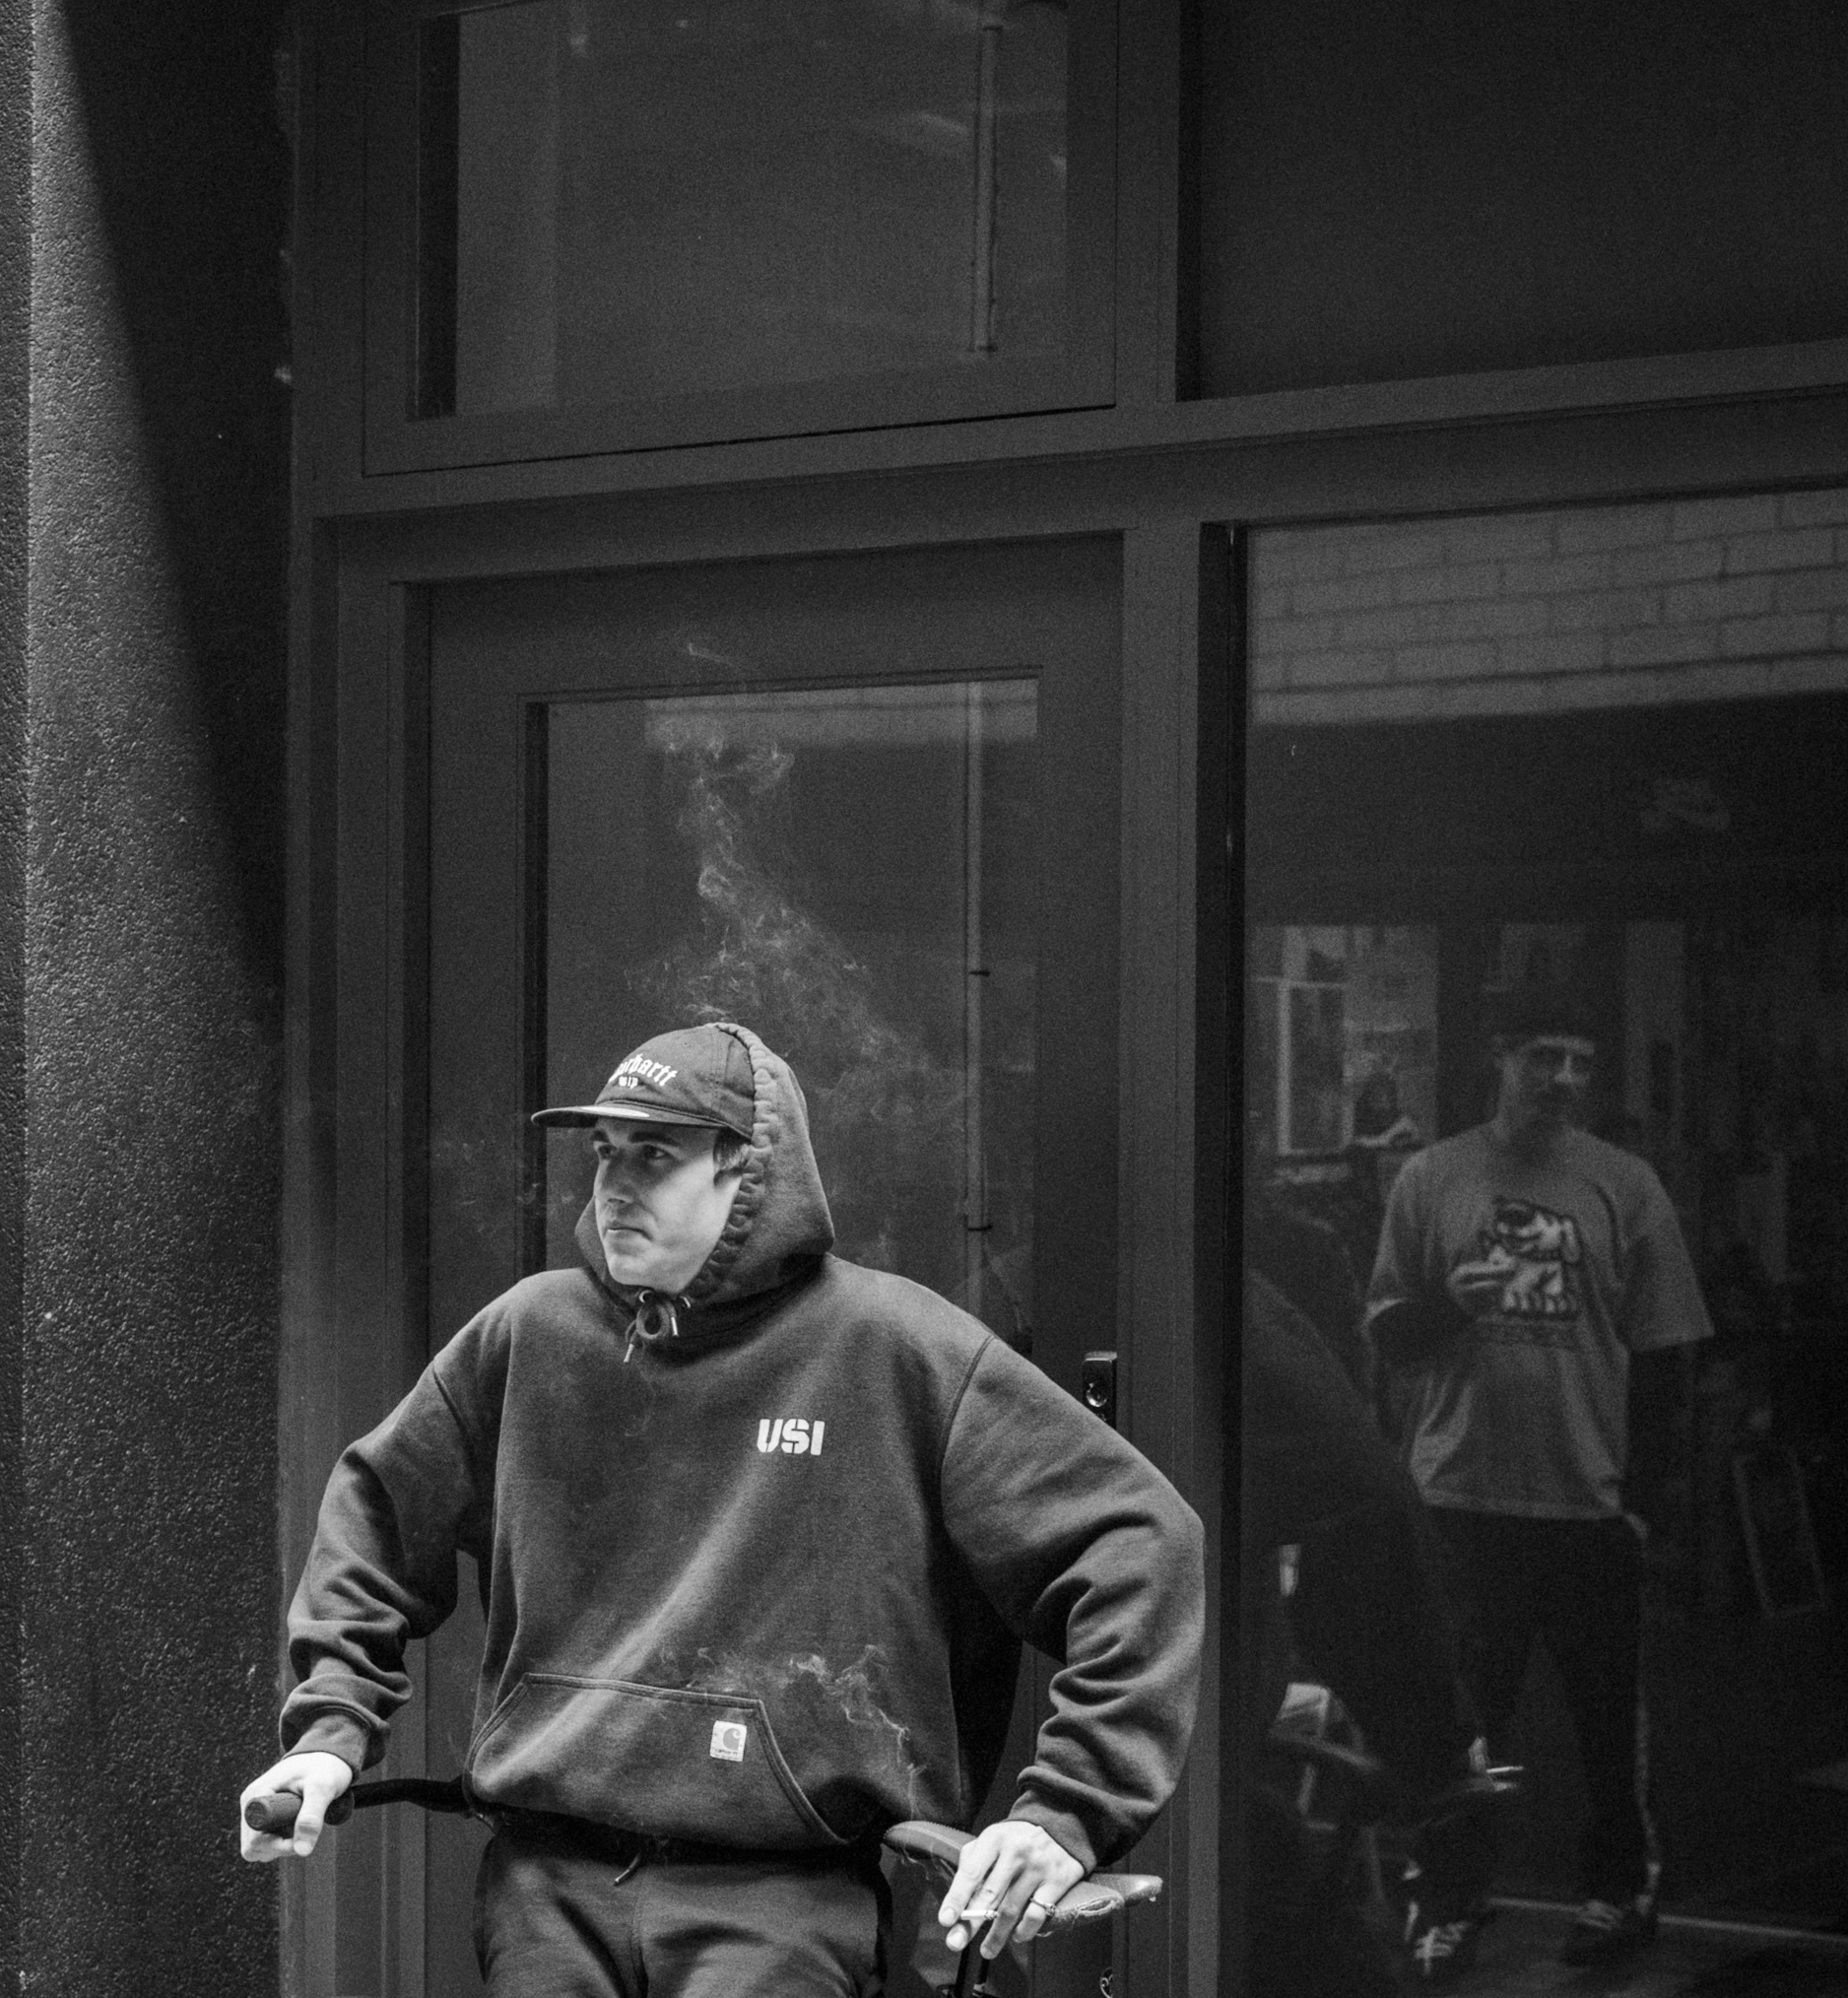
(335,1734)
(1059,1826)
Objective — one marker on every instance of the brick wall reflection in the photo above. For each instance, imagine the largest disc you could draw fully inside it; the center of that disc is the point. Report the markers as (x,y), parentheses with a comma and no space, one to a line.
(1676,600)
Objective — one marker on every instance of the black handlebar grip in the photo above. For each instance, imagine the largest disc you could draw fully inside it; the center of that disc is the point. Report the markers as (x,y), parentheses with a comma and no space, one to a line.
(277,1812)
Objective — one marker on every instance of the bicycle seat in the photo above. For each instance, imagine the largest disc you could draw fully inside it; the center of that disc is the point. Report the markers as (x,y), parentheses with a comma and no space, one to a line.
(1095,1897)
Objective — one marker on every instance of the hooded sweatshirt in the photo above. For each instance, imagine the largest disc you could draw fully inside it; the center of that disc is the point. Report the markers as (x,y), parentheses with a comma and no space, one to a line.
(760,1580)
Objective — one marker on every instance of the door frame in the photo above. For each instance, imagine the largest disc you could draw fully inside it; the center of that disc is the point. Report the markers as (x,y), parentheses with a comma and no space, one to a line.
(355,1196)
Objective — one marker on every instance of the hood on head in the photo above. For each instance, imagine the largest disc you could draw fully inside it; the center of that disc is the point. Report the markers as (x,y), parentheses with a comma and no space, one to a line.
(779,1226)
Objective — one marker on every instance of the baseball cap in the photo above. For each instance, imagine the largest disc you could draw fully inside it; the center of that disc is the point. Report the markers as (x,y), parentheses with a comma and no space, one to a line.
(695,1075)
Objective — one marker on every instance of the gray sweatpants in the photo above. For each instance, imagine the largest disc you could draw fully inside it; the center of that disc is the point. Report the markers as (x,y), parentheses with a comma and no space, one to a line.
(558,1916)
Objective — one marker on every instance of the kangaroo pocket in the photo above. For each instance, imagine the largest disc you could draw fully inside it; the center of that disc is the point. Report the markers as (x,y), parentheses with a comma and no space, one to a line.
(667,1760)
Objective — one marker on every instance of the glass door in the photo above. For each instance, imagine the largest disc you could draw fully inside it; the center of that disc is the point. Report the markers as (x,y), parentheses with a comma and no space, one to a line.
(850,871)
(865,806)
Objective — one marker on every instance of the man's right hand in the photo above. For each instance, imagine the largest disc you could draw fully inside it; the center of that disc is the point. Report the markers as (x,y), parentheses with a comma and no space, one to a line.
(317,1778)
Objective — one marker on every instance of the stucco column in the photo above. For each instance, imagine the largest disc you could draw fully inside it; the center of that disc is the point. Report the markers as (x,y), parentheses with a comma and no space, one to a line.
(15,334)
(140,683)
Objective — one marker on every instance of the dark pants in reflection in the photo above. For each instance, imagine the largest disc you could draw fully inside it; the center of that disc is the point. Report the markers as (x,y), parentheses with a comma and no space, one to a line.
(1306,1936)
(1573,1585)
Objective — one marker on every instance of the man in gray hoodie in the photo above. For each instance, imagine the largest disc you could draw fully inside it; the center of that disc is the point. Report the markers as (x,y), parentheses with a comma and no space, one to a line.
(760,1533)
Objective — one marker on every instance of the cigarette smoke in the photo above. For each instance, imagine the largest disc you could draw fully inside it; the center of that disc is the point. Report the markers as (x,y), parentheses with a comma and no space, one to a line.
(807,1679)
(886,1115)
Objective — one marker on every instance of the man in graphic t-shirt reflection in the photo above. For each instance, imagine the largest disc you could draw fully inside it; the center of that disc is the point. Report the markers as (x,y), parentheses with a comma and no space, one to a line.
(1522,1266)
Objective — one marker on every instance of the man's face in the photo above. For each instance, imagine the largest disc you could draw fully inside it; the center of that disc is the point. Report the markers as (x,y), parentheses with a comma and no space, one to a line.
(661,1202)
(1545,1080)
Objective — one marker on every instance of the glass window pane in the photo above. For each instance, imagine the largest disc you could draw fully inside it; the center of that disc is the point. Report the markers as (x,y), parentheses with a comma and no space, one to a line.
(1393,191)
(653,199)
(851,871)
(1596,748)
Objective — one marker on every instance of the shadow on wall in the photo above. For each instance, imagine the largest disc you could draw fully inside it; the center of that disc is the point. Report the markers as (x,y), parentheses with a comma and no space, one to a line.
(190,115)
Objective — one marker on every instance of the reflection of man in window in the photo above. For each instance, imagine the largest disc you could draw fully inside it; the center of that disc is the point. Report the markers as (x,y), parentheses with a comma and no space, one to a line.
(1521,1266)
(759,1533)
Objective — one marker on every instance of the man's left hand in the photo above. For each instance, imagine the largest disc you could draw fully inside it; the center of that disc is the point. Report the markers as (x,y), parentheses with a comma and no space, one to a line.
(1014,1875)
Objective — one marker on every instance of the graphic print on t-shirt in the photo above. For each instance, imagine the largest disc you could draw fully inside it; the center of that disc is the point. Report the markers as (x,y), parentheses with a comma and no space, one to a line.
(1540,1252)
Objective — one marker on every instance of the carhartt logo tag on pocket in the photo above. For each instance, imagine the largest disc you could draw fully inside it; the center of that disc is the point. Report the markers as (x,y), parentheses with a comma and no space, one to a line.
(728,1741)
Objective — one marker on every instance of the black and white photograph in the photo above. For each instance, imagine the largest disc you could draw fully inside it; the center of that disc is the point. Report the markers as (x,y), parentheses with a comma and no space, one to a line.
(924,1015)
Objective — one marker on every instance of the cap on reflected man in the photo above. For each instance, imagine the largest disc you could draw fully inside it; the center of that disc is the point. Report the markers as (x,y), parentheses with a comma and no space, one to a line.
(695,1075)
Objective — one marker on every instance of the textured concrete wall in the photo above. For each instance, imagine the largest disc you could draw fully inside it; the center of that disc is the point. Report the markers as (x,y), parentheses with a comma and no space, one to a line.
(15,325)
(1540,612)
(151,974)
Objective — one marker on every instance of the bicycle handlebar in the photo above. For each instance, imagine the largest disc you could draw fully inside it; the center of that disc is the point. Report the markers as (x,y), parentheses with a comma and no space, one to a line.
(1372,1797)
(939,1846)
(277,1812)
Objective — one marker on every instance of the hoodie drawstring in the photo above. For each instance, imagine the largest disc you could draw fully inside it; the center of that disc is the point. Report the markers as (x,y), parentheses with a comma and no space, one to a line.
(656,1318)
